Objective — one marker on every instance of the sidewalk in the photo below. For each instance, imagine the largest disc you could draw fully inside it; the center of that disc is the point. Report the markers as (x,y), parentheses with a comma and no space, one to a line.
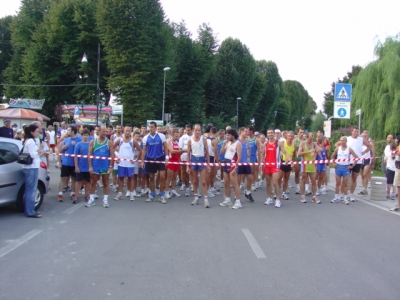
(385,203)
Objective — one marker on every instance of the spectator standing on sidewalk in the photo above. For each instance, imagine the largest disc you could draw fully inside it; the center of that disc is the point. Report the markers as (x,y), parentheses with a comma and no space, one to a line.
(396,181)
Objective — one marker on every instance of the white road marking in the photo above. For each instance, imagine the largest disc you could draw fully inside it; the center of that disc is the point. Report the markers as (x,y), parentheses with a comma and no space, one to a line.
(73,208)
(15,244)
(253,243)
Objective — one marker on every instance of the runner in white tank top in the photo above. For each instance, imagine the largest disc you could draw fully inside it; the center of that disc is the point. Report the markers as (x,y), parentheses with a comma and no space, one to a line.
(342,171)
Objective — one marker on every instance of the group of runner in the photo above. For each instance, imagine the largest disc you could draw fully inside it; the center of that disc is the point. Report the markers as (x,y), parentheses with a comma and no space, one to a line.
(187,156)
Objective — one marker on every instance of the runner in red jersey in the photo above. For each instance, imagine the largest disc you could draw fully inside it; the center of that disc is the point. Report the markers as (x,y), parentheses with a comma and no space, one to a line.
(270,155)
(171,161)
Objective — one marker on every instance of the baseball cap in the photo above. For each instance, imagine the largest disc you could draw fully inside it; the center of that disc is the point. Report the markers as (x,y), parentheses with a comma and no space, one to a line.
(7,120)
(14,125)
(277,130)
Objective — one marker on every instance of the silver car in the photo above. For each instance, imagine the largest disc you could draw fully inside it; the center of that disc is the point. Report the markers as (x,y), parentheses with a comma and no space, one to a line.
(12,182)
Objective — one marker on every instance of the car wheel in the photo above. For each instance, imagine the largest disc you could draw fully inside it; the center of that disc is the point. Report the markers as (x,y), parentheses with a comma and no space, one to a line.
(38,198)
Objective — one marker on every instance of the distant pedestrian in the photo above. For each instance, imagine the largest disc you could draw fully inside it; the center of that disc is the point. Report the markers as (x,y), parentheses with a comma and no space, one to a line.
(6,131)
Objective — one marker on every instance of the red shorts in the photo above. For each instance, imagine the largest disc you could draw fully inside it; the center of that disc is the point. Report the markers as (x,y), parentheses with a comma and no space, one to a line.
(173,167)
(270,170)
(52,146)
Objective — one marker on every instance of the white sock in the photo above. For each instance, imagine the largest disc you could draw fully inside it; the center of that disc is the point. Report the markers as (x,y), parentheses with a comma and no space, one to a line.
(248,192)
(60,193)
(119,193)
(307,187)
(173,191)
(105,198)
(91,197)
(336,195)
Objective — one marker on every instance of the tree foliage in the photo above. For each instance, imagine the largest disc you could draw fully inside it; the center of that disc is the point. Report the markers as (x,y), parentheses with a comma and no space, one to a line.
(6,51)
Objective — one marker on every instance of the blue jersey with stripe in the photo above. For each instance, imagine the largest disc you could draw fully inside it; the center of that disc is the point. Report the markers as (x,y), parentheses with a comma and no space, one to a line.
(100,150)
(245,147)
(253,147)
(154,145)
(219,147)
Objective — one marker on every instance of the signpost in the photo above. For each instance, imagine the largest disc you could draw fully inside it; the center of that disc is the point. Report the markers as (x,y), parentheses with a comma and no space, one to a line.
(342,103)
(358,113)
(328,128)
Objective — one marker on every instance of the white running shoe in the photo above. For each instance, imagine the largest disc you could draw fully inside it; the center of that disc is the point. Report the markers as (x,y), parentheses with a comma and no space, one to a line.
(308,192)
(90,203)
(351,198)
(206,203)
(303,199)
(187,193)
(150,199)
(182,187)
(227,202)
(210,194)
(323,191)
(345,201)
(318,192)
(163,200)
(95,196)
(277,203)
(167,195)
(284,196)
(269,201)
(195,201)
(132,197)
(175,194)
(315,200)
(105,204)
(289,185)
(157,192)
(297,191)
(119,197)
(335,200)
(260,183)
(237,204)
(253,188)
(128,194)
(114,189)
(215,191)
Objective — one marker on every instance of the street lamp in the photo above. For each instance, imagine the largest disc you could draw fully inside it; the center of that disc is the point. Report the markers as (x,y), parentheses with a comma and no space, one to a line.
(4,97)
(237,112)
(85,60)
(163,100)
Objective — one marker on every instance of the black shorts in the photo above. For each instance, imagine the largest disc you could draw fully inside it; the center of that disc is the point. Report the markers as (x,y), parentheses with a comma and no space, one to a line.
(356,168)
(286,168)
(246,170)
(366,162)
(212,159)
(155,167)
(67,171)
(82,176)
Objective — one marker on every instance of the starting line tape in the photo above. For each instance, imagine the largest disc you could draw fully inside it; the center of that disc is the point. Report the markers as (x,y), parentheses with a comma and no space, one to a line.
(220,164)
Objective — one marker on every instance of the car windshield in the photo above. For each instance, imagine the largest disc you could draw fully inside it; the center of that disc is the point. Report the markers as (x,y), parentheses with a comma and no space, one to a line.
(8,153)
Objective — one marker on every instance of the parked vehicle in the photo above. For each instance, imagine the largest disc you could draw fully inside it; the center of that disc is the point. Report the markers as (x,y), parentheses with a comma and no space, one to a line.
(12,182)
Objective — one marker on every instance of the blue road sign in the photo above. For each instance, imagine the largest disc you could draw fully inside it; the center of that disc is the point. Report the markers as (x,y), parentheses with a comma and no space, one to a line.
(76,111)
(343,92)
(342,112)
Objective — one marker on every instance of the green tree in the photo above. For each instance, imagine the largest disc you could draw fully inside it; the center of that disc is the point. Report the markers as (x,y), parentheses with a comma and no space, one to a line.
(6,51)
(376,90)
(264,115)
(318,122)
(234,77)
(134,35)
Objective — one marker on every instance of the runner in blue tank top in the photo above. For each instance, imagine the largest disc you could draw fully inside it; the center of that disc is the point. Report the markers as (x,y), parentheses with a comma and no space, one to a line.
(254,144)
(245,171)
(100,146)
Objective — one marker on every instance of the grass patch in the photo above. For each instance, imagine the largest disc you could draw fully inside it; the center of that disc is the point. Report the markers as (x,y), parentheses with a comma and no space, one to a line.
(378,173)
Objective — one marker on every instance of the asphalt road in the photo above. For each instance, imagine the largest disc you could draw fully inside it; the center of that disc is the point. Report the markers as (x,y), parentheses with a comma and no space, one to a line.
(138,250)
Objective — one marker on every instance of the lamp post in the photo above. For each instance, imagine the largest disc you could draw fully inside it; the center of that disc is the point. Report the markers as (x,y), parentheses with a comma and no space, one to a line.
(84,60)
(237,112)
(163,100)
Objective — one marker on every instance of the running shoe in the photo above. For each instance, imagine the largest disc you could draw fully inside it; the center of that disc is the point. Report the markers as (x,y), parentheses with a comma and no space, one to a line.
(297,191)
(206,203)
(210,194)
(132,197)
(167,195)
(128,194)
(345,201)
(284,196)
(253,188)
(182,187)
(269,201)
(175,194)
(215,191)
(157,192)
(318,192)
(393,197)
(335,200)
(323,191)
(363,192)
(303,199)
(315,200)
(87,197)
(105,204)
(60,198)
(396,208)
(114,189)
(119,197)
(96,196)
(75,200)
(187,193)
(237,205)
(163,200)
(351,198)
(227,202)
(277,203)
(195,201)
(90,203)
(242,186)
(150,199)
(289,185)
(249,197)
(308,192)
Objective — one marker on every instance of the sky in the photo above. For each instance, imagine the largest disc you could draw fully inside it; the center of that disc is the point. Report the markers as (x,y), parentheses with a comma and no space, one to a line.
(313,42)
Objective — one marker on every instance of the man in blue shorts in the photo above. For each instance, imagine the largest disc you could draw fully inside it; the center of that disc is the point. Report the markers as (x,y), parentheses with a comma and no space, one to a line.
(343,167)
(154,149)
(82,175)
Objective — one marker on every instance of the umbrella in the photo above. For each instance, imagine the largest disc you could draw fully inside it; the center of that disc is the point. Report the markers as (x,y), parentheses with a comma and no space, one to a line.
(21,113)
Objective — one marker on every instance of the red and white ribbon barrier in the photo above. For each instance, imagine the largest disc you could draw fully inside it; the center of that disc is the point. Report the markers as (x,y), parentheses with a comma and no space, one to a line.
(221,164)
